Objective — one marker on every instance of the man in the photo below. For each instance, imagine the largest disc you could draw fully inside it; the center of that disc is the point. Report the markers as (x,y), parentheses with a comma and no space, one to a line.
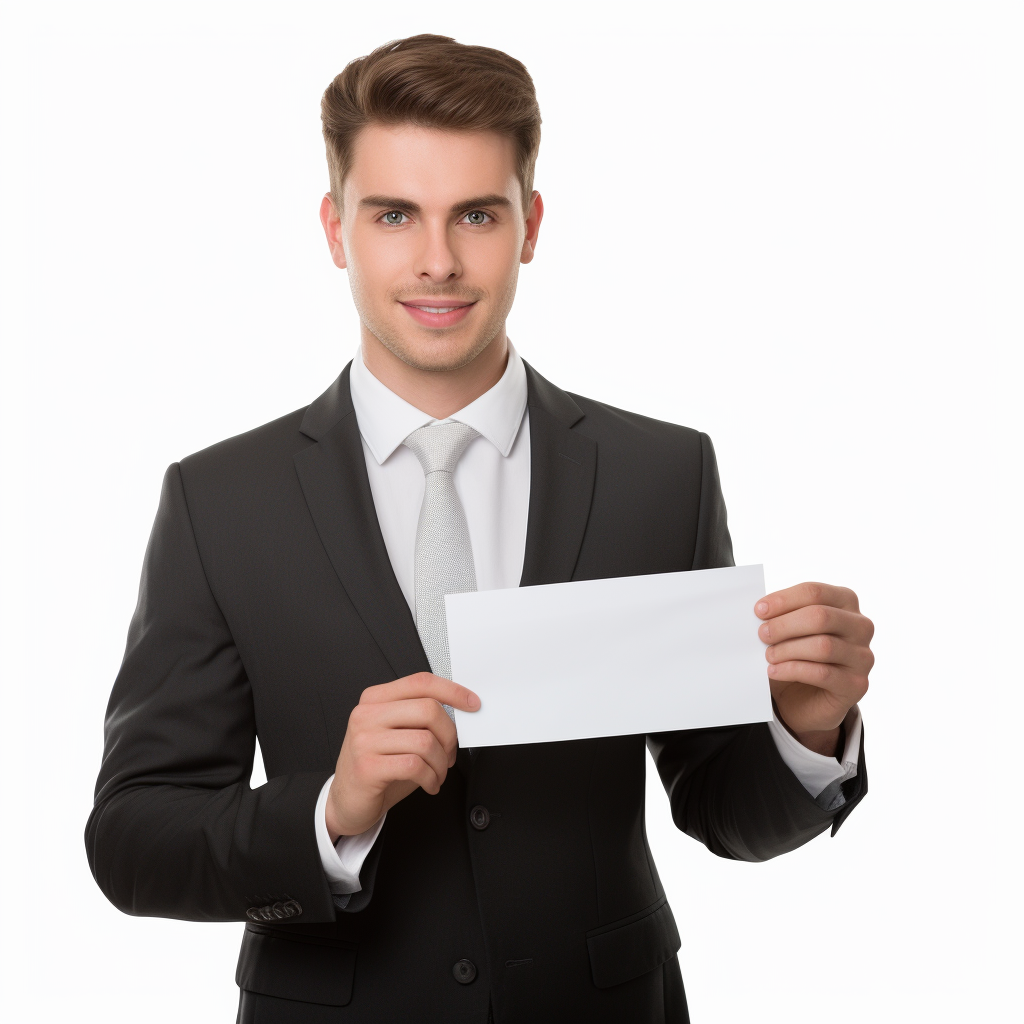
(293,589)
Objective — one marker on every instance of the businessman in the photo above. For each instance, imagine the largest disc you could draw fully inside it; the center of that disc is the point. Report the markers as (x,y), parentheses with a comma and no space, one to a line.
(293,590)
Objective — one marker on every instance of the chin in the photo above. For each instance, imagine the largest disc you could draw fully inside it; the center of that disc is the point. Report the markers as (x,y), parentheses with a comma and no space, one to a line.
(439,351)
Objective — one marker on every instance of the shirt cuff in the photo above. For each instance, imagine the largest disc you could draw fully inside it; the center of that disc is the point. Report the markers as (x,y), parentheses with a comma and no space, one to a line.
(342,861)
(821,776)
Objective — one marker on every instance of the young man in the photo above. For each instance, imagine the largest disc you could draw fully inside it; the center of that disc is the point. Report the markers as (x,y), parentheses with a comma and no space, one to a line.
(293,589)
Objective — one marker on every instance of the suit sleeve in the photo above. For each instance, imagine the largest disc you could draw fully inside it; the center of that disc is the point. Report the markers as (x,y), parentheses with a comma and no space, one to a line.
(729,787)
(176,830)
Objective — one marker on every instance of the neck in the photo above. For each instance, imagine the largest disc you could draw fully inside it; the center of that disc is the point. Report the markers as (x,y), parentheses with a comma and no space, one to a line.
(439,393)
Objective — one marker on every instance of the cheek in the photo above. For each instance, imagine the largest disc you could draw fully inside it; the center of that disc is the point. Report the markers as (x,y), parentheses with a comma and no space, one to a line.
(375,255)
(495,258)
(375,268)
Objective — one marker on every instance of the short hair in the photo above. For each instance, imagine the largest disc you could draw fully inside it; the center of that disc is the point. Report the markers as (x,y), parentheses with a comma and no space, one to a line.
(434,82)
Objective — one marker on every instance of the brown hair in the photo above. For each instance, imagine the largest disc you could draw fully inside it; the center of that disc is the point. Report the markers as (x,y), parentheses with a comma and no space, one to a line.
(434,82)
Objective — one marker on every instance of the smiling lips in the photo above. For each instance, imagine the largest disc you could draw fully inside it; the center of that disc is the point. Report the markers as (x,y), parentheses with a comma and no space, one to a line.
(432,314)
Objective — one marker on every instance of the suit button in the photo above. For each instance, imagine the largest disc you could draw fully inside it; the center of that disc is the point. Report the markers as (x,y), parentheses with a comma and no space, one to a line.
(292,908)
(253,913)
(279,912)
(479,817)
(266,913)
(464,971)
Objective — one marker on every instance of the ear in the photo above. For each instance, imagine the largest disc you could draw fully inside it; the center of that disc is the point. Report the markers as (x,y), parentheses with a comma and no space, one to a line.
(332,229)
(533,219)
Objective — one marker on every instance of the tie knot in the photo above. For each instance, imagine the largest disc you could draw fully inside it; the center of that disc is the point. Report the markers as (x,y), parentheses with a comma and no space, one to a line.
(439,446)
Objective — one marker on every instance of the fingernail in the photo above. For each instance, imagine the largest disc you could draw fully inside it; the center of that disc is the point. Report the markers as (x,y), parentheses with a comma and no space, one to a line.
(473,701)
(761,608)
(772,669)
(763,631)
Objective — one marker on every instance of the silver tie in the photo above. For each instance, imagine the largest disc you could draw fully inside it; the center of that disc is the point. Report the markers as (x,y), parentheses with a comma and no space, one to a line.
(444,554)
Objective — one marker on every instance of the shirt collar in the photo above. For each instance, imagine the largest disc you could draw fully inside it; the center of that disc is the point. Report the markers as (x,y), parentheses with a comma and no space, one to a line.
(386,420)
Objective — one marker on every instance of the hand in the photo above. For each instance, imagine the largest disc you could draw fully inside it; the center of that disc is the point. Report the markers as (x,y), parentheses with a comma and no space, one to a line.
(399,738)
(818,659)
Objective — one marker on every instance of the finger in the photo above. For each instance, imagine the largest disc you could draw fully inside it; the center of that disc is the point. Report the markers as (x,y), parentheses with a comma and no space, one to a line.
(415,741)
(815,619)
(422,684)
(406,768)
(841,682)
(421,713)
(781,601)
(832,650)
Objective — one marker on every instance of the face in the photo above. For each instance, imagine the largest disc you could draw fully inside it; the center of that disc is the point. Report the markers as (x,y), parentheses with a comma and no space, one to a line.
(432,233)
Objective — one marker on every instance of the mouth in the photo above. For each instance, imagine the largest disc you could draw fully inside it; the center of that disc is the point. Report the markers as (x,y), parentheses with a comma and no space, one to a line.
(436,314)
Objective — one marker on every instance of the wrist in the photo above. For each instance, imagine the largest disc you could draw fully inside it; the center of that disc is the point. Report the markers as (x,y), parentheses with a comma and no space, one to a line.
(335,823)
(827,742)
(332,828)
(354,823)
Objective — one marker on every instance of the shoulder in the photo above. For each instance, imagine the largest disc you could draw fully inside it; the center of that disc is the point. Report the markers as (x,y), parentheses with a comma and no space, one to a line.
(606,422)
(641,451)
(634,446)
(641,444)
(277,442)
(280,438)
(244,474)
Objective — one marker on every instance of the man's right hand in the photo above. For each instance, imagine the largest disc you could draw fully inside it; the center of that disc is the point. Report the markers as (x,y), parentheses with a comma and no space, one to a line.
(398,738)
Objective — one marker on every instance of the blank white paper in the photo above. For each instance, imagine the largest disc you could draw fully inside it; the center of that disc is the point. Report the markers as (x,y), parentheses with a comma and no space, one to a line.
(615,657)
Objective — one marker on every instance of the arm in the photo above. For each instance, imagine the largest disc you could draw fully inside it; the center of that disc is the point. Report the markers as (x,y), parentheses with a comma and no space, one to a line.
(822,776)
(399,738)
(175,830)
(731,788)
(344,859)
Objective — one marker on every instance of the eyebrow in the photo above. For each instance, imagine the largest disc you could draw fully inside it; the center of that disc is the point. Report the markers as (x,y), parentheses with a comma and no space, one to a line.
(405,206)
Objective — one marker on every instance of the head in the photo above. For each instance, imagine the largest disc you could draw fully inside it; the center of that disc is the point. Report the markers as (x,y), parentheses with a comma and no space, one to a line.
(431,148)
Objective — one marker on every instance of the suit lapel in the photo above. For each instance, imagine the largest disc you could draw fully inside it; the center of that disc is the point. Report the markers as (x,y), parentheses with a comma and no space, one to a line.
(333,477)
(562,468)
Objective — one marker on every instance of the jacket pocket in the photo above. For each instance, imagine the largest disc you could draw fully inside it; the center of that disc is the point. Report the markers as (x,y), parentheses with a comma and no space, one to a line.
(308,971)
(633,946)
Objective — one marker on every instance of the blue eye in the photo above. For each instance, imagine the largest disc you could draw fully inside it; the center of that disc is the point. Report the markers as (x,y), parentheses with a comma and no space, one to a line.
(393,217)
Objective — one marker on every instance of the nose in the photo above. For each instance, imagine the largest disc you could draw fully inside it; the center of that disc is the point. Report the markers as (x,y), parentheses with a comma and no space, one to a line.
(436,260)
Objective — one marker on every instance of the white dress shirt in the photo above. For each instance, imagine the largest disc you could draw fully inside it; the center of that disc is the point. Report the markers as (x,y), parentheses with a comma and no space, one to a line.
(492,480)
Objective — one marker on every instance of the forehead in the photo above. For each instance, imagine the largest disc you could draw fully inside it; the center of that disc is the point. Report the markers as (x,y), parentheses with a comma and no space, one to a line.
(429,166)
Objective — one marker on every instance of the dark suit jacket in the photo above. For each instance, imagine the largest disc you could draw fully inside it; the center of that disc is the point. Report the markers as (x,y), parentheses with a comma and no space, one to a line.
(268,604)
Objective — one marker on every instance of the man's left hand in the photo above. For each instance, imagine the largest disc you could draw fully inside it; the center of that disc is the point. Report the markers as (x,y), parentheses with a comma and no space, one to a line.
(818,659)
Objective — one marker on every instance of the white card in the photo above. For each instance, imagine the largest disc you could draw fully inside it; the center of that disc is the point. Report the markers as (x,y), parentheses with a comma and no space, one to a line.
(614,657)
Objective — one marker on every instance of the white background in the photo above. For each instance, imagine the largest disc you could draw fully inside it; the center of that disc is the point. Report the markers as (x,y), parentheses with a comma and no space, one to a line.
(796,226)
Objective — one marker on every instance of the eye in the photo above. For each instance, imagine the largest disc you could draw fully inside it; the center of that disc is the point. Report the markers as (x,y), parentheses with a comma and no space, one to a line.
(393,217)
(477,218)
